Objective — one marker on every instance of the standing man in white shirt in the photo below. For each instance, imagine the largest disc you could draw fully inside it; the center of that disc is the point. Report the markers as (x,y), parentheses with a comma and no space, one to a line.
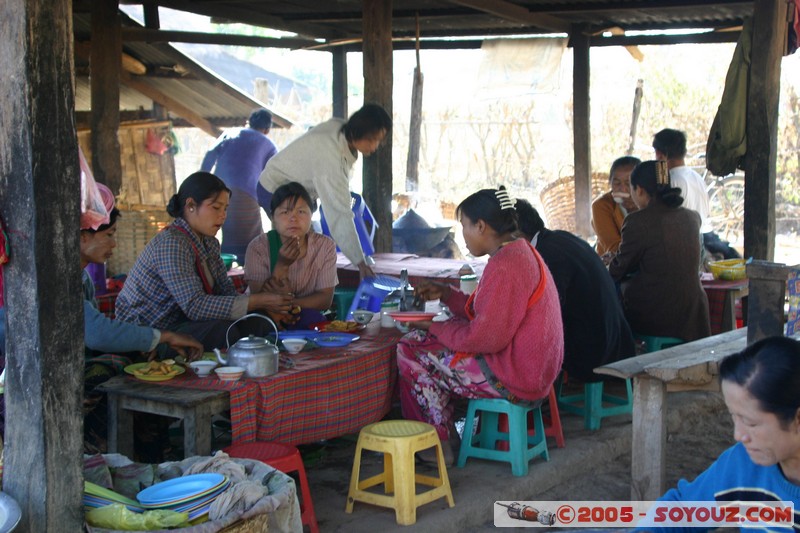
(670,146)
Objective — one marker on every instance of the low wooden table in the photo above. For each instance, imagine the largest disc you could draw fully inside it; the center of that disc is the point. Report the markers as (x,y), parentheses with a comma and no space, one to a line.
(690,366)
(194,406)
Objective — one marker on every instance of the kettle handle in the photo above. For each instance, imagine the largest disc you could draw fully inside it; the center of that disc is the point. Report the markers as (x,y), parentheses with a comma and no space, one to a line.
(249,315)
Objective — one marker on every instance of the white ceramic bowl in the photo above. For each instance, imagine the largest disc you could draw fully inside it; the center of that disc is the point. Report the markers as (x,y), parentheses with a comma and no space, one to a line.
(202,368)
(229,373)
(363,316)
(293,344)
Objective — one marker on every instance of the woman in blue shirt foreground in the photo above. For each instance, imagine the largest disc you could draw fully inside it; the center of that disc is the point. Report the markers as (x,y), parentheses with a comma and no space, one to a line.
(761,387)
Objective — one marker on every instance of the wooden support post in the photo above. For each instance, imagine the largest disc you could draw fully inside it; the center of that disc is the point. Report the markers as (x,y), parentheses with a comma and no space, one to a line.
(765,302)
(415,124)
(769,44)
(581,131)
(105,68)
(414,132)
(151,17)
(649,438)
(339,56)
(40,203)
(377,30)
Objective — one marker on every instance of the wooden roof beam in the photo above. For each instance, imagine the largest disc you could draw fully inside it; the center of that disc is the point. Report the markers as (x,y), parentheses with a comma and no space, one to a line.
(170,103)
(248,16)
(634,51)
(131,34)
(129,63)
(515,13)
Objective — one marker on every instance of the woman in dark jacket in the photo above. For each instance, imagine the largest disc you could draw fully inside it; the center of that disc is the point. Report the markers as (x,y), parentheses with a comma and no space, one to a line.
(658,261)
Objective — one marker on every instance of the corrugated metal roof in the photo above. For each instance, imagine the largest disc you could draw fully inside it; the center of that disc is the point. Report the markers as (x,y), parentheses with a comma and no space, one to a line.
(175,75)
(342,19)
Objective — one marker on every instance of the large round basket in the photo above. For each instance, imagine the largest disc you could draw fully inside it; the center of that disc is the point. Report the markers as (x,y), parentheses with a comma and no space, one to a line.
(558,200)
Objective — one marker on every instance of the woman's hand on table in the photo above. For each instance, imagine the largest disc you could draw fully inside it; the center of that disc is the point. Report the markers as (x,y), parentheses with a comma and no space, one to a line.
(186,345)
(432,290)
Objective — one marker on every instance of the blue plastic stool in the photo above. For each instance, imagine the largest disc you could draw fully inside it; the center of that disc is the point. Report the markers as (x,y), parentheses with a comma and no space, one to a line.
(593,405)
(522,447)
(653,343)
(362,217)
(371,292)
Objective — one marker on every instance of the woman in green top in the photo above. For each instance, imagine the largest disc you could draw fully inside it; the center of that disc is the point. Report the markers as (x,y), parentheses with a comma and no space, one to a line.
(293,258)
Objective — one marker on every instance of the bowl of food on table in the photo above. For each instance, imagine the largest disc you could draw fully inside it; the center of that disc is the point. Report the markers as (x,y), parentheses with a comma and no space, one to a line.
(203,367)
(729,269)
(229,373)
(363,316)
(155,370)
(293,345)
(338,326)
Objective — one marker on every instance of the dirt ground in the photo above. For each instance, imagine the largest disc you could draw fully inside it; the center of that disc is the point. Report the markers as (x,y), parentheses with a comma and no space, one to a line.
(694,441)
(699,429)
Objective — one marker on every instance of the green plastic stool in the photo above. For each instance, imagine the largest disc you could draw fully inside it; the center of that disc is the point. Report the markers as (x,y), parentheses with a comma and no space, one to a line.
(653,343)
(342,300)
(593,405)
(522,447)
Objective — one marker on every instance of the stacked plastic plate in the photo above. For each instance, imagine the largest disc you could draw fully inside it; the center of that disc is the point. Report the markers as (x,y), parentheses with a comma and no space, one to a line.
(191,494)
(95,496)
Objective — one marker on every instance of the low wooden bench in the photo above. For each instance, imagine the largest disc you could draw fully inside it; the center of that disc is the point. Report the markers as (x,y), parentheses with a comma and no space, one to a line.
(194,406)
(690,366)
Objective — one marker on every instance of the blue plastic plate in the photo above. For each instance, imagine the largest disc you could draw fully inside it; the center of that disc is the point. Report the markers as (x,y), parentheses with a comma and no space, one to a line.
(179,488)
(296,333)
(334,339)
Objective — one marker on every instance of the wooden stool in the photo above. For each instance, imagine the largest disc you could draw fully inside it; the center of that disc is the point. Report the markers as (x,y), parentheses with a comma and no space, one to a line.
(593,405)
(398,440)
(522,446)
(287,459)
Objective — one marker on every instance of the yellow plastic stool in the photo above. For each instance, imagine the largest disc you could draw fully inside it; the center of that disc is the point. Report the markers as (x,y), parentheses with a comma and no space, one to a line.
(399,440)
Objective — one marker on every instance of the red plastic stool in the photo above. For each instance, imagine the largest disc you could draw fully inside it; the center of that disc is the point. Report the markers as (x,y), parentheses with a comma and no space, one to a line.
(287,459)
(552,423)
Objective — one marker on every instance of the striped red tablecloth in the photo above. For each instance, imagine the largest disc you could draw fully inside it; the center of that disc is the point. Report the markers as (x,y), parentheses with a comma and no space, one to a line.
(330,392)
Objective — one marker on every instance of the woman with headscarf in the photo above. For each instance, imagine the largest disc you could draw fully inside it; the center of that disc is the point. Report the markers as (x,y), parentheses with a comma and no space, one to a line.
(112,344)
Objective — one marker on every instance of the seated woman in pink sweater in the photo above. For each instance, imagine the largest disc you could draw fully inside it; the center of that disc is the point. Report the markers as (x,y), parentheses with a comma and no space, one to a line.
(505,340)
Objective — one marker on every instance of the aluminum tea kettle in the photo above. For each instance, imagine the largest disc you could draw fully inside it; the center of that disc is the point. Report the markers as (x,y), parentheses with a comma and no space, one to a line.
(257,355)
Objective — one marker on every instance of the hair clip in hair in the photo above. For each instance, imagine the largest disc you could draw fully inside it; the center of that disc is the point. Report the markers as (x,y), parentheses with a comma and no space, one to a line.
(662,173)
(506,202)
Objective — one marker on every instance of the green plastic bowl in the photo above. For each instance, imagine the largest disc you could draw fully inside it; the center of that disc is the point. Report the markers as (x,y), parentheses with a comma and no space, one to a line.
(228,259)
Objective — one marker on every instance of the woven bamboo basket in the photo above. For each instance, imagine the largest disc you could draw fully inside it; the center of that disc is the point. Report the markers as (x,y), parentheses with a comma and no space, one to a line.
(135,228)
(255,524)
(558,200)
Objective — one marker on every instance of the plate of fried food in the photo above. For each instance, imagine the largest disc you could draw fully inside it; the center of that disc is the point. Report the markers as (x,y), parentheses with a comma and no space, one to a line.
(155,370)
(338,326)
